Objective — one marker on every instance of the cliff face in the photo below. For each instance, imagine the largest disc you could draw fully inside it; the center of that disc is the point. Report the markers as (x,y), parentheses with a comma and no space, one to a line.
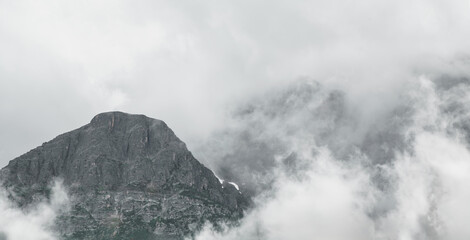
(130,177)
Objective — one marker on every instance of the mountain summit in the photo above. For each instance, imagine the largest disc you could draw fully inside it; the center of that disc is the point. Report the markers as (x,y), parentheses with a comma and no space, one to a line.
(129,176)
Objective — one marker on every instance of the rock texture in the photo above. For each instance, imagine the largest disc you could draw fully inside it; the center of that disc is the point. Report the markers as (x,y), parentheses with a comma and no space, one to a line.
(129,176)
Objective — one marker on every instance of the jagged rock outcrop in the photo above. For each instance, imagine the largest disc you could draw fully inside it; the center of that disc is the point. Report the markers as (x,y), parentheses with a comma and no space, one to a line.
(129,176)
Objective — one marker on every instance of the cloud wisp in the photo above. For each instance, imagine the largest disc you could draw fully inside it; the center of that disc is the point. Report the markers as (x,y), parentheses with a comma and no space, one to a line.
(37,222)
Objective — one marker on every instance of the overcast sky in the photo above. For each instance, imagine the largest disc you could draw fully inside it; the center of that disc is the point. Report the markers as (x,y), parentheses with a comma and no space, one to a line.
(188,62)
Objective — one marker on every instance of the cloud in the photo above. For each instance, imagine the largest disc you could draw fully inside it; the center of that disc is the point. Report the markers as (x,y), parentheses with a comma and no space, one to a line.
(409,184)
(62,63)
(327,204)
(378,124)
(36,222)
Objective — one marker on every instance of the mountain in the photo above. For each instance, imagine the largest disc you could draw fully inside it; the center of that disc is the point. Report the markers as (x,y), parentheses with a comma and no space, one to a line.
(129,177)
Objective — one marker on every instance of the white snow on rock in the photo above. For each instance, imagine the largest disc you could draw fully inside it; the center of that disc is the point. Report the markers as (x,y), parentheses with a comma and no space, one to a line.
(235,185)
(222,182)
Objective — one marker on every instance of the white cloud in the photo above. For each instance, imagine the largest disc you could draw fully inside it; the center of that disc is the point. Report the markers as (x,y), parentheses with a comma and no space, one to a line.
(35,223)
(419,193)
(329,203)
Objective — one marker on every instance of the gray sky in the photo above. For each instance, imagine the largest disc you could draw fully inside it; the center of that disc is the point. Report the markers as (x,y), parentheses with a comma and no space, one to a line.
(187,62)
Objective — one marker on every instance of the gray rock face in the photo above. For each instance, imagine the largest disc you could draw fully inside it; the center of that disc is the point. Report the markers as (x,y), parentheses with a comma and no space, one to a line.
(130,177)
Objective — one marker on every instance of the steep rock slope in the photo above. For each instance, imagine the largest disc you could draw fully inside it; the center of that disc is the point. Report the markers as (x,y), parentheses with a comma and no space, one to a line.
(129,176)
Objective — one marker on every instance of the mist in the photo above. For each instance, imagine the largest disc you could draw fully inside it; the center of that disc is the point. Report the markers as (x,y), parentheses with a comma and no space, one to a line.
(317,170)
(341,119)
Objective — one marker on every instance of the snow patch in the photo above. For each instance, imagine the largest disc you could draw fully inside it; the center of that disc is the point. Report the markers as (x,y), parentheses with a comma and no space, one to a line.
(220,180)
(235,185)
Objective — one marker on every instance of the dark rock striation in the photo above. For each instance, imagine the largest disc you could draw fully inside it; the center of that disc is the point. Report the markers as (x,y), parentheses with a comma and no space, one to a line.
(129,177)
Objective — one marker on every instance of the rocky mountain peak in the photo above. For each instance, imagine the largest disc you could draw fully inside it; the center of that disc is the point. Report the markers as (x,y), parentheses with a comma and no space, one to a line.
(132,161)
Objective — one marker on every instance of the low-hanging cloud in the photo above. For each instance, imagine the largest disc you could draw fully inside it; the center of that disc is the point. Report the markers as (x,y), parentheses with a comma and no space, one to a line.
(363,192)
(36,222)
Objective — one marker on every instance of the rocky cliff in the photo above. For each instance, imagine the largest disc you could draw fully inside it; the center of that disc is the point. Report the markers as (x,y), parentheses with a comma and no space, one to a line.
(129,176)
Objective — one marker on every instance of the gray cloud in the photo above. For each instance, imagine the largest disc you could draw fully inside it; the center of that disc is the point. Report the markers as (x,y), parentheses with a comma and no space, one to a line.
(61,63)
